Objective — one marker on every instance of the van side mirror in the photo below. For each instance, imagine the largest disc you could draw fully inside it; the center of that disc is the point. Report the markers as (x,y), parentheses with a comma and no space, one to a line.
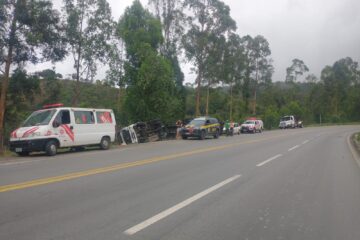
(56,124)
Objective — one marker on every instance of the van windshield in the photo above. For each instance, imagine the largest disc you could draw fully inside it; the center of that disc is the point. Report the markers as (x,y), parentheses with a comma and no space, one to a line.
(38,118)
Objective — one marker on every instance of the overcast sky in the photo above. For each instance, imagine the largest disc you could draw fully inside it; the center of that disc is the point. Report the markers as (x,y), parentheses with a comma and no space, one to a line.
(319,32)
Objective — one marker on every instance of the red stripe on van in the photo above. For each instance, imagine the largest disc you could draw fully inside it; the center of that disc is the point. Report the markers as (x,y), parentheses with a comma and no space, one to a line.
(13,134)
(30,131)
(68,132)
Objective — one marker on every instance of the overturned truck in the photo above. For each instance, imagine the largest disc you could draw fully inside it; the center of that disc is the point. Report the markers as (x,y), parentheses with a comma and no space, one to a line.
(142,132)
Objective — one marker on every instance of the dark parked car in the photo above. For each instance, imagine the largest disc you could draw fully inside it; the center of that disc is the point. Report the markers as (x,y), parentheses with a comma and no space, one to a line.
(201,128)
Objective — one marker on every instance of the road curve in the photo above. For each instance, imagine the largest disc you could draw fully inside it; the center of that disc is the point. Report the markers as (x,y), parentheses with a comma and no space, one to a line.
(283,184)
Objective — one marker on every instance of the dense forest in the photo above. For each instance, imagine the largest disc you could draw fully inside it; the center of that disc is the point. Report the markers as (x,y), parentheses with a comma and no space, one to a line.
(142,52)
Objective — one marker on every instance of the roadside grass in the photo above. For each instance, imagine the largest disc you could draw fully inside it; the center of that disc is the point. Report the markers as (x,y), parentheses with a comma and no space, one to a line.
(7,153)
(321,125)
(356,142)
(331,124)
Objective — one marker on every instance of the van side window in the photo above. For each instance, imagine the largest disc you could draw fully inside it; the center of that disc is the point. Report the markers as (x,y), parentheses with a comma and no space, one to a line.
(63,117)
(84,117)
(103,117)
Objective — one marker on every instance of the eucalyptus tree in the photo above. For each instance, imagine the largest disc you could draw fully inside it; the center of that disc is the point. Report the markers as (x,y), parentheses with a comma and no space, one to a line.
(311,78)
(208,20)
(173,22)
(297,68)
(214,63)
(258,64)
(225,64)
(30,31)
(89,27)
(148,75)
(338,79)
(233,66)
(172,17)
(115,73)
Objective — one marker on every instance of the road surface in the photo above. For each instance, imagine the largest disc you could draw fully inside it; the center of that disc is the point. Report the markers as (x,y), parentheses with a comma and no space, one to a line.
(283,184)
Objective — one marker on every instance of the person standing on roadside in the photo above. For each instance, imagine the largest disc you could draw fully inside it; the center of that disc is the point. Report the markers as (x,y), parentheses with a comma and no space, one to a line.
(227,127)
(232,128)
(178,129)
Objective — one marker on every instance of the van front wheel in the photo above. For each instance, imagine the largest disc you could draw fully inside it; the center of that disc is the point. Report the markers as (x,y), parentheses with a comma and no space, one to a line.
(105,143)
(51,148)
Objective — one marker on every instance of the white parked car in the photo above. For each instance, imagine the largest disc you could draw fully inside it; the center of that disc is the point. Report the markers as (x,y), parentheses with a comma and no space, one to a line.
(252,126)
(236,129)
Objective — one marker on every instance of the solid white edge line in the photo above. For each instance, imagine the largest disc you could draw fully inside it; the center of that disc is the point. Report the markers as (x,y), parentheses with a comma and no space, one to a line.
(169,211)
(293,148)
(353,151)
(269,160)
(305,142)
(21,162)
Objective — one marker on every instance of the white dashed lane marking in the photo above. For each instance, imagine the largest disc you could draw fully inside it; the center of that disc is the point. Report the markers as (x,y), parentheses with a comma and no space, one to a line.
(169,211)
(269,160)
(293,148)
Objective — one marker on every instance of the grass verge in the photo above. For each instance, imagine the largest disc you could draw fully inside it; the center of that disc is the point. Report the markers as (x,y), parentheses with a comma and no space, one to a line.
(356,141)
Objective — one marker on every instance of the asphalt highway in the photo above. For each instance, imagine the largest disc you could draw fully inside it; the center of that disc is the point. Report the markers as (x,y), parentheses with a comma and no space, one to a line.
(282,184)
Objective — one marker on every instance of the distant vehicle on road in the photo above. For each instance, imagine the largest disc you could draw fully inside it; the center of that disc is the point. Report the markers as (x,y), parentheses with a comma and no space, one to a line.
(201,128)
(56,126)
(236,129)
(290,122)
(252,125)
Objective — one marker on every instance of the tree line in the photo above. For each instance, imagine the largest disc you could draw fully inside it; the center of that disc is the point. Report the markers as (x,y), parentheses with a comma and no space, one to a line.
(144,80)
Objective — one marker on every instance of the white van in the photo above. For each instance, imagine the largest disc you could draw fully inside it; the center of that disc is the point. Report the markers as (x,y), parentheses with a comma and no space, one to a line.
(56,127)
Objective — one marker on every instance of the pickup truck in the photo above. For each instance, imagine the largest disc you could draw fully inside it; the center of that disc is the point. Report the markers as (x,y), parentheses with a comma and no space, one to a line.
(290,122)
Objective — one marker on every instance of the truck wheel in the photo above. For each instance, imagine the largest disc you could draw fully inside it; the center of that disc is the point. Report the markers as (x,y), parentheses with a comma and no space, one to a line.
(23,154)
(51,148)
(105,143)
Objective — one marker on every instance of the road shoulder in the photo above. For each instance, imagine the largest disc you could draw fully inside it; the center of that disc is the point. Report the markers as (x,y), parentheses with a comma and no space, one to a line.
(354,145)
